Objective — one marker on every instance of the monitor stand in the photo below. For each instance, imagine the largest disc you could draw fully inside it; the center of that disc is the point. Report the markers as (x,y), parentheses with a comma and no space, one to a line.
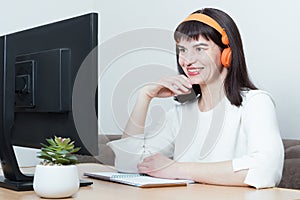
(16,185)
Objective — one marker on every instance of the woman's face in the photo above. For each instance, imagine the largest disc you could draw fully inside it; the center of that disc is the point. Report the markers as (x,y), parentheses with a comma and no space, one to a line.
(200,60)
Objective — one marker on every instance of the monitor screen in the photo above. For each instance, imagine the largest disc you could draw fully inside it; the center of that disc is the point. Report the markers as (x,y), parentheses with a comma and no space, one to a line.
(48,84)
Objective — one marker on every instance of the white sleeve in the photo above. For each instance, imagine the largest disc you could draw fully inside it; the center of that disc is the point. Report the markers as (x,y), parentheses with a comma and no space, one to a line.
(264,160)
(132,150)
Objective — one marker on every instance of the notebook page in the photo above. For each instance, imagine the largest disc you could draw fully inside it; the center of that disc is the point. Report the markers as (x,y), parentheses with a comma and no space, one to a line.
(138,180)
(143,180)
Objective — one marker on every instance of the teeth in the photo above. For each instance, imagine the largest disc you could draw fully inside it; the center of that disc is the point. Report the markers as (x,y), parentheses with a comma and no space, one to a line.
(195,69)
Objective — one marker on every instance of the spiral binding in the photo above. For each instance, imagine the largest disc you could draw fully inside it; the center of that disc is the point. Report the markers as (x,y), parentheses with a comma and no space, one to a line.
(127,176)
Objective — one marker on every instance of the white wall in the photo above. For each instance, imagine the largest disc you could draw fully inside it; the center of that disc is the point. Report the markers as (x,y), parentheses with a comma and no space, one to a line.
(20,15)
(268,29)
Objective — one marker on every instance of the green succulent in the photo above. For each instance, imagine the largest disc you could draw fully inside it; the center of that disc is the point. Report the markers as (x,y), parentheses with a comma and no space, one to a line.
(58,152)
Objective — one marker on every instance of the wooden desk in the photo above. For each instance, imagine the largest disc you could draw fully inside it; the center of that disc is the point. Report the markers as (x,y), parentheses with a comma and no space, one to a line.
(102,190)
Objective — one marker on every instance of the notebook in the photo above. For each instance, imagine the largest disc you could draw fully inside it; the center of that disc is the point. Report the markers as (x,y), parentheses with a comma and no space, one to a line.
(137,180)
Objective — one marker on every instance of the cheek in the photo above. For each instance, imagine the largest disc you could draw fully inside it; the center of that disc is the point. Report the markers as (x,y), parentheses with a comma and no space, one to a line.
(218,58)
(181,61)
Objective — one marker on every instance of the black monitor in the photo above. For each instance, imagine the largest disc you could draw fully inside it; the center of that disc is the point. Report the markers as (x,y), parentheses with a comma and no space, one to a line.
(48,86)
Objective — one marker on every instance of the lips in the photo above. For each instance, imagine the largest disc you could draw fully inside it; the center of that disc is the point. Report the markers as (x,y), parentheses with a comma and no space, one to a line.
(193,71)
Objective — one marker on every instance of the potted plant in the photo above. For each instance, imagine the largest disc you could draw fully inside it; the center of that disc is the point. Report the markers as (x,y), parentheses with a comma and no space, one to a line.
(57,175)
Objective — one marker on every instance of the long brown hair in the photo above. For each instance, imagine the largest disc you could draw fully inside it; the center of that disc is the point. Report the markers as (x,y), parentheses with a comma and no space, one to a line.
(237,79)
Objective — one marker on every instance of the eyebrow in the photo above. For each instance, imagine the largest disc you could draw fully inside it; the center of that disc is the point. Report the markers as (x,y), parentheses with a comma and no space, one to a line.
(196,45)
(200,44)
(179,46)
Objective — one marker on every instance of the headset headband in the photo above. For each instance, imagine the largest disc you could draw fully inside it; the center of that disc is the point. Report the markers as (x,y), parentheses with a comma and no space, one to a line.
(210,22)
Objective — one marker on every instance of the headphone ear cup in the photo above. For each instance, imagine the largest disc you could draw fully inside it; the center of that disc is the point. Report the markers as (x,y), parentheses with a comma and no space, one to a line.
(224,38)
(226,57)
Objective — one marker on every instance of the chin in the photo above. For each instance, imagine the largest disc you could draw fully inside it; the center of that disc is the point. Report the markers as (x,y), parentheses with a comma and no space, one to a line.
(197,80)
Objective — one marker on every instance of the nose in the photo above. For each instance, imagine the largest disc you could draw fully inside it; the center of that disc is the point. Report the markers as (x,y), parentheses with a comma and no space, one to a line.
(188,59)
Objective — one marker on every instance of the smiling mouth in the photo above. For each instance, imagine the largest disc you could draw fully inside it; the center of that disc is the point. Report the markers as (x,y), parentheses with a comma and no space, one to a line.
(192,71)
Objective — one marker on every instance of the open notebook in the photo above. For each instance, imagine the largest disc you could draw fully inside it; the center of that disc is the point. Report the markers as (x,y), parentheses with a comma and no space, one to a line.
(138,180)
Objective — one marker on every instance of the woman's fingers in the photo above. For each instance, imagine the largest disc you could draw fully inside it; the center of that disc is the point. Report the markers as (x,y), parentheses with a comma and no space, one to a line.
(143,167)
(147,164)
(177,84)
(158,165)
(169,86)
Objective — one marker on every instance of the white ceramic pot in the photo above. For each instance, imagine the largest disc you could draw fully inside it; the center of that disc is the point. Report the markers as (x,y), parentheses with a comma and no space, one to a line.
(56,181)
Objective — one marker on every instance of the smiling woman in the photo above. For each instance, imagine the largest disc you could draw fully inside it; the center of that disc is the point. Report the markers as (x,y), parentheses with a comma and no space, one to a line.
(200,60)
(227,135)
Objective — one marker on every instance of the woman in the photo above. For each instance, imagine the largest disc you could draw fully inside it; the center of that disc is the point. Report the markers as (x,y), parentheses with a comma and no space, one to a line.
(229,134)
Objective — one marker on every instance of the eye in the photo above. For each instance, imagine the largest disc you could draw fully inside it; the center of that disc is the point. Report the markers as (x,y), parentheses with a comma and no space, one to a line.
(182,50)
(199,49)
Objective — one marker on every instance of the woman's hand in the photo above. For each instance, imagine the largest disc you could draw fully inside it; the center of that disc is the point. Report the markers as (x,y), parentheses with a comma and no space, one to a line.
(159,165)
(168,87)
(218,173)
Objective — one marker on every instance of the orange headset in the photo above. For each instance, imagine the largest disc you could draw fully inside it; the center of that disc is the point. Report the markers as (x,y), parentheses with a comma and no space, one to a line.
(226,53)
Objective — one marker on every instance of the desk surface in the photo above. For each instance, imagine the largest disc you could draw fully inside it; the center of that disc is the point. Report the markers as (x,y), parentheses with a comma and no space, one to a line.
(107,190)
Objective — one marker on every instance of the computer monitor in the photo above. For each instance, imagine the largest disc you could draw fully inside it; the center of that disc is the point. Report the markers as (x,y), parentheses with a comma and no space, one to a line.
(48,86)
